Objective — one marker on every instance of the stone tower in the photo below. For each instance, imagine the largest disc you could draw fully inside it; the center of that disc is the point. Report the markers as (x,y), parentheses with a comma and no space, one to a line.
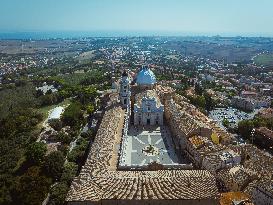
(124,91)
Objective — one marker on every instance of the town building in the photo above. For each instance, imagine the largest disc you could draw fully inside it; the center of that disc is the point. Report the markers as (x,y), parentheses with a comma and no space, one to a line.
(220,160)
(264,137)
(263,193)
(265,113)
(250,103)
(235,198)
(235,178)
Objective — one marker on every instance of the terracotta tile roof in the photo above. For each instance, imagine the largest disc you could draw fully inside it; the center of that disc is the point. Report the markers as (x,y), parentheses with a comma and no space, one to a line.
(99,179)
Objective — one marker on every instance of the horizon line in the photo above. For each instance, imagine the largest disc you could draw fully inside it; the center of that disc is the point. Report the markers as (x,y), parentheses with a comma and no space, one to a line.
(127,33)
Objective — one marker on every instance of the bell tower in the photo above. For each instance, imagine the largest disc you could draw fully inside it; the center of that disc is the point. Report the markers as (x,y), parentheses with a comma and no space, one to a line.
(125,92)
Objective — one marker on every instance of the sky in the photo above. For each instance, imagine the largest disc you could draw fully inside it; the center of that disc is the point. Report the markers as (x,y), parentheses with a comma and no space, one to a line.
(211,17)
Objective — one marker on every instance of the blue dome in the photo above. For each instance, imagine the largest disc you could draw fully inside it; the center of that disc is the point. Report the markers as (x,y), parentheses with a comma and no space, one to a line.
(145,77)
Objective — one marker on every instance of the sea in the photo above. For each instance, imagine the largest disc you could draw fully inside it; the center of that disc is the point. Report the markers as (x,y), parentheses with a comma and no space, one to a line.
(85,34)
(71,34)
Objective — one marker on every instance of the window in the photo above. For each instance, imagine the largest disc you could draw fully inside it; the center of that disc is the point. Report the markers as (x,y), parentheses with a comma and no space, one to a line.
(149,108)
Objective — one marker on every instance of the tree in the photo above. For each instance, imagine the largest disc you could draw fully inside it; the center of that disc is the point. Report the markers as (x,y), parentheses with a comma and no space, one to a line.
(90,109)
(89,135)
(78,153)
(225,122)
(53,164)
(46,100)
(209,102)
(198,89)
(95,77)
(49,92)
(58,194)
(64,148)
(65,93)
(50,99)
(31,188)
(35,152)
(73,115)
(6,182)
(69,172)
(64,137)
(39,93)
(87,94)
(269,123)
(198,101)
(56,124)
(259,122)
(245,127)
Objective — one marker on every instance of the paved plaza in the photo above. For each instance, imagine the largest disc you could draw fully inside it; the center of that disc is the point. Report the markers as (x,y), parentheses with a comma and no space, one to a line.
(145,145)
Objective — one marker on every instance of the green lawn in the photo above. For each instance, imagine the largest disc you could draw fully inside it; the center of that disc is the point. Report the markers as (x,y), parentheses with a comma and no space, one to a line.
(44,110)
(264,59)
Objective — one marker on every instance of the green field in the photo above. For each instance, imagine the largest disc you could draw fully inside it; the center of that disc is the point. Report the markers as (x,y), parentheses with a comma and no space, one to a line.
(264,59)
(46,109)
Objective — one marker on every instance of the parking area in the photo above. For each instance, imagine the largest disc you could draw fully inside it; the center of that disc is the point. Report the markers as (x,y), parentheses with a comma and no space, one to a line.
(233,115)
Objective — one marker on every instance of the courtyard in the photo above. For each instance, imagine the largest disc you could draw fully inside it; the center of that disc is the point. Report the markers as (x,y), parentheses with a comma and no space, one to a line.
(144,145)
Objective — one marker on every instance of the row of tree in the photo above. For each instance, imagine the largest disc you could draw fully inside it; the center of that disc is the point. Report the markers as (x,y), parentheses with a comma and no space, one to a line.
(245,127)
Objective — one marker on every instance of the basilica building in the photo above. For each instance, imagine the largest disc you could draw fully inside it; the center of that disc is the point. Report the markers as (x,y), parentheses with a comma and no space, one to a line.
(144,104)
(139,157)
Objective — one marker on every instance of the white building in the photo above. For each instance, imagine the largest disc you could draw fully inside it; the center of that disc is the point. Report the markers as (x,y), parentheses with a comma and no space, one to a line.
(148,109)
(45,88)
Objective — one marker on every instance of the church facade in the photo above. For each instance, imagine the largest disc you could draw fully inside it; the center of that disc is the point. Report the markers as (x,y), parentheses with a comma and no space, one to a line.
(147,108)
